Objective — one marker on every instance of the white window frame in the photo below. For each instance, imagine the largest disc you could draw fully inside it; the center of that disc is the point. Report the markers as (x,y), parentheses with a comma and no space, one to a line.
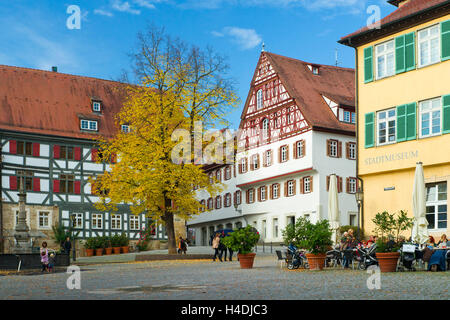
(243,165)
(430,114)
(228,173)
(386,121)
(385,53)
(268,158)
(421,40)
(255,162)
(238,197)
(306,184)
(262,193)
(352,150)
(210,204)
(334,148)
(290,186)
(78,220)
(352,184)
(96,106)
(283,153)
(90,125)
(134,222)
(436,203)
(218,202)
(265,128)
(96,217)
(228,200)
(347,116)
(275,191)
(49,220)
(353,117)
(116,221)
(259,99)
(299,147)
(125,128)
(251,195)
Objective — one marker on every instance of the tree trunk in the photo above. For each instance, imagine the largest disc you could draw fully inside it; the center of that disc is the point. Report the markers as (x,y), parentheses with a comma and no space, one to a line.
(170,230)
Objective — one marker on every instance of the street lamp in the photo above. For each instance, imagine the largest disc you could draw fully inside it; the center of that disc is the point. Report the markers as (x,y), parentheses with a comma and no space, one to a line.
(72,218)
(359,195)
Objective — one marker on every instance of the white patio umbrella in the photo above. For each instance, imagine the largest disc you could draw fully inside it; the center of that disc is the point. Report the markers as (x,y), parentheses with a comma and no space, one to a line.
(419,230)
(333,207)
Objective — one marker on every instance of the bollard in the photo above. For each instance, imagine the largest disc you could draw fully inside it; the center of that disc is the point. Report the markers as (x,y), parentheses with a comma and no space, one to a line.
(263,247)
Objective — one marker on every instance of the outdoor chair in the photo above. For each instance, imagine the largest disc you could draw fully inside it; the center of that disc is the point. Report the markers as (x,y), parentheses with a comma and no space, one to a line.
(281,259)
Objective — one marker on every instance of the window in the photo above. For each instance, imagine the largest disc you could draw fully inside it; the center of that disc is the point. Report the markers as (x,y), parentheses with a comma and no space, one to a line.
(347,116)
(90,125)
(96,106)
(307,185)
(24,148)
(351,185)
(218,202)
(275,228)
(228,200)
(17,218)
(66,153)
(265,128)
(262,193)
(243,165)
(430,118)
(429,46)
(290,188)
(386,126)
(437,205)
(97,221)
(202,206)
(333,148)
(125,128)
(116,221)
(218,175)
(299,149)
(275,191)
(27,177)
(44,219)
(268,158)
(210,204)
(289,118)
(283,154)
(78,221)
(385,59)
(134,221)
(259,99)
(351,150)
(352,219)
(315,70)
(228,173)
(250,195)
(66,183)
(237,199)
(255,162)
(353,117)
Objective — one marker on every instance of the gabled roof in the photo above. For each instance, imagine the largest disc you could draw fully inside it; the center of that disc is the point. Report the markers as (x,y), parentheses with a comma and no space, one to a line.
(52,103)
(405,11)
(307,89)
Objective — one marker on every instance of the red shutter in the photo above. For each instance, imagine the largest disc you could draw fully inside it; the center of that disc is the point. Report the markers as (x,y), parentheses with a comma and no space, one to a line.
(347,150)
(247,198)
(339,181)
(77,153)
(257,160)
(234,198)
(13,183)
(303,148)
(56,151)
(36,184)
(287,152)
(294,187)
(13,146)
(311,184)
(286,189)
(271,191)
(302,185)
(339,149)
(295,151)
(328,183)
(259,193)
(246,164)
(347,185)
(94,153)
(56,186)
(77,187)
(36,149)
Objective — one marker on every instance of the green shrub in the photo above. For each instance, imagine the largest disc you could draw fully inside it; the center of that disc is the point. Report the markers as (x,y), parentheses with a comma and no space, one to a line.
(388,227)
(116,241)
(90,243)
(124,241)
(242,240)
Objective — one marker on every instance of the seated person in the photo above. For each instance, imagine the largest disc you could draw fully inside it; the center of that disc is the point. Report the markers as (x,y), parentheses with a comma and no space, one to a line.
(437,261)
(442,242)
(431,243)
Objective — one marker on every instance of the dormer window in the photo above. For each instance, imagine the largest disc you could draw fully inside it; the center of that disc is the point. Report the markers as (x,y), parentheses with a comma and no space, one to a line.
(90,125)
(315,70)
(96,106)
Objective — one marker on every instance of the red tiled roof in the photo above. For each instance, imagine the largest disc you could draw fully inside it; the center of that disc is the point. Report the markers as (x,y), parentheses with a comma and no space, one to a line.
(307,89)
(405,10)
(52,103)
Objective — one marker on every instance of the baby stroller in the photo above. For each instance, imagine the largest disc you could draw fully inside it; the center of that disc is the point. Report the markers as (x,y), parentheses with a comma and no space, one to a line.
(333,258)
(296,258)
(366,257)
(408,254)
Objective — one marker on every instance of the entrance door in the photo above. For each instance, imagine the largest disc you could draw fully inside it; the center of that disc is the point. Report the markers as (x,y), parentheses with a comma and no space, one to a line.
(204,237)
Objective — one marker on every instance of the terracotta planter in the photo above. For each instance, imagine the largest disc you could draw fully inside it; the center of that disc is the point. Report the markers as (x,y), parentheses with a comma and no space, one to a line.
(316,261)
(89,252)
(116,250)
(108,251)
(125,249)
(99,252)
(387,261)
(246,260)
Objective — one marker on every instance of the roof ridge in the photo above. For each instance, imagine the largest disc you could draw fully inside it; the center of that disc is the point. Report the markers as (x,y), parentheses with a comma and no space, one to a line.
(58,73)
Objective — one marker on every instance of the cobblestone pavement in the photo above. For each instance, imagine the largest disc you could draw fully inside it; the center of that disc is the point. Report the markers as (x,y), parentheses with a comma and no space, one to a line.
(192,280)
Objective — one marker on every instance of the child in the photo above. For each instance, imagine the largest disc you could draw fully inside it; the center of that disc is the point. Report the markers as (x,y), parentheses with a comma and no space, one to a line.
(44,256)
(51,262)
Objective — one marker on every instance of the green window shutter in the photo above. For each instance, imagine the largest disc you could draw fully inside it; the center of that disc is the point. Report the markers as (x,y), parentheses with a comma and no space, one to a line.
(401,123)
(410,51)
(400,54)
(445,40)
(446,114)
(411,121)
(368,64)
(370,130)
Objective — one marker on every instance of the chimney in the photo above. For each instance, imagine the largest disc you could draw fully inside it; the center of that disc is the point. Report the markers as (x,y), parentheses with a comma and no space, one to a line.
(55,69)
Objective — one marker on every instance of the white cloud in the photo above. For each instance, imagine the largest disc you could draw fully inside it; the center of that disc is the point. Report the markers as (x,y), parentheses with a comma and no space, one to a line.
(245,38)
(103,12)
(145,3)
(124,7)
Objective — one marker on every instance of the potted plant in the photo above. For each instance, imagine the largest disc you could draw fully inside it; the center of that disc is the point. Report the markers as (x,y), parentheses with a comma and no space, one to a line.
(314,238)
(388,245)
(90,245)
(115,243)
(107,245)
(99,246)
(124,243)
(243,241)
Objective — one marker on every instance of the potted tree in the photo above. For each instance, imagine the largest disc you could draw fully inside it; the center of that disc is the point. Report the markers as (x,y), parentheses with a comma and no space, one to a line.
(99,243)
(90,244)
(388,245)
(107,245)
(243,241)
(314,238)
(124,243)
(115,243)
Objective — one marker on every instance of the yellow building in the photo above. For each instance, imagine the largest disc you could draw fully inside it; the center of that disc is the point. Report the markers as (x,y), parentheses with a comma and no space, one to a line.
(403,109)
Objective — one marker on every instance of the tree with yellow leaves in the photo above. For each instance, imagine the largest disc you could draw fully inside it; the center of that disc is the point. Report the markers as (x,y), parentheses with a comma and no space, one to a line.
(178,87)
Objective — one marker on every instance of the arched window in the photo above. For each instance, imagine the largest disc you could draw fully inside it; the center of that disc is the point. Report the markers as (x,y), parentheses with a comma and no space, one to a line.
(265,128)
(259,99)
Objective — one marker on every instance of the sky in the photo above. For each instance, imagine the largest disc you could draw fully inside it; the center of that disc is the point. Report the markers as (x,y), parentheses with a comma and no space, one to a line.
(35,33)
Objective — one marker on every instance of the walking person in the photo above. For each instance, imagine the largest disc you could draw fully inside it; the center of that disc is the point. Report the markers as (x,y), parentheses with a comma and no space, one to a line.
(44,256)
(215,246)
(182,246)
(67,245)
(222,249)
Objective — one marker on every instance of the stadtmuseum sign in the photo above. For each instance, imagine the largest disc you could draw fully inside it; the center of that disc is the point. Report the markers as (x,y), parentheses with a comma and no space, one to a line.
(392,157)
